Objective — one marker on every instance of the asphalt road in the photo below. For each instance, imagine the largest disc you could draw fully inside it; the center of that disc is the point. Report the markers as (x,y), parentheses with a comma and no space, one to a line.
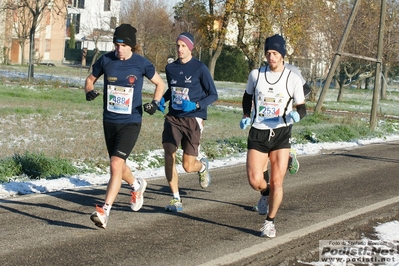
(338,194)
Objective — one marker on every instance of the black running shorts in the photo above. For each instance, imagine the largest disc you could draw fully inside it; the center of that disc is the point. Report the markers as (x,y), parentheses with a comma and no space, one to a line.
(182,130)
(121,138)
(265,141)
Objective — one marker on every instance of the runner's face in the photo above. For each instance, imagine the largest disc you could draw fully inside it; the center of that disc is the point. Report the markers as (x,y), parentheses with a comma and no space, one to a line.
(182,50)
(123,51)
(274,59)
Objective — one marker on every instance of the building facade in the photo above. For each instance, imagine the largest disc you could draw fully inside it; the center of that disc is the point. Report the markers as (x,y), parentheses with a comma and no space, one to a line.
(93,23)
(48,39)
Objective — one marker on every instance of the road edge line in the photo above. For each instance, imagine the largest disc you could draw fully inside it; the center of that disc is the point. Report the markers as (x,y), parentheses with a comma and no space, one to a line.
(274,242)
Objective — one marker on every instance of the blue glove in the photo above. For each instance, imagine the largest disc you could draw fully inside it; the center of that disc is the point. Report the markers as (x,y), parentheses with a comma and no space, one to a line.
(245,122)
(161,106)
(188,106)
(295,116)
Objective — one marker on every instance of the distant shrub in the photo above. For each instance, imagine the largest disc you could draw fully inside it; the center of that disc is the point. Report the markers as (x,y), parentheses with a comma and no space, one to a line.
(231,66)
(35,166)
(9,168)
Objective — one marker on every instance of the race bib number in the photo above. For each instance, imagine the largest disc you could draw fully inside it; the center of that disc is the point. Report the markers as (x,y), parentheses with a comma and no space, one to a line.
(269,108)
(120,99)
(178,95)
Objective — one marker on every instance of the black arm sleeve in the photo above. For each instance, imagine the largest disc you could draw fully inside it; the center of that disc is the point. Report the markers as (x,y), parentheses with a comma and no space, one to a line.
(167,95)
(301,109)
(247,104)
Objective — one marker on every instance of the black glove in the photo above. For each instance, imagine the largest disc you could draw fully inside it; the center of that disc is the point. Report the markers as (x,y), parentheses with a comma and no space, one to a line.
(91,95)
(152,107)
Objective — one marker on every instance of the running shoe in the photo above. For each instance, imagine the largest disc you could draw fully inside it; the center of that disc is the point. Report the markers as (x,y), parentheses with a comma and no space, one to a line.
(99,217)
(263,205)
(293,164)
(268,229)
(137,200)
(175,205)
(204,176)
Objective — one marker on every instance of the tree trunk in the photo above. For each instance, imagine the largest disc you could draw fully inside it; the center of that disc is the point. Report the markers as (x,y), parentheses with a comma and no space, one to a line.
(214,58)
(22,45)
(95,56)
(31,69)
(340,93)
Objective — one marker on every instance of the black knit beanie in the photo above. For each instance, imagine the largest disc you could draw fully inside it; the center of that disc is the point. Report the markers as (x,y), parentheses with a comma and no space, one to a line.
(277,43)
(125,33)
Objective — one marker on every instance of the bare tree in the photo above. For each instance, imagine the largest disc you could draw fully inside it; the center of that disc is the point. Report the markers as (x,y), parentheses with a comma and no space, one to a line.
(210,19)
(34,10)
(153,25)
(21,29)
(220,12)
(360,45)
(391,43)
(289,18)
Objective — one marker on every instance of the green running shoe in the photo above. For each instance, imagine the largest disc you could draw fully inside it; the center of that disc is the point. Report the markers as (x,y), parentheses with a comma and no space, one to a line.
(293,164)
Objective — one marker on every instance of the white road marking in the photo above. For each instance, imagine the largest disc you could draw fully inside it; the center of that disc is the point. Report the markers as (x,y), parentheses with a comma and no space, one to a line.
(279,240)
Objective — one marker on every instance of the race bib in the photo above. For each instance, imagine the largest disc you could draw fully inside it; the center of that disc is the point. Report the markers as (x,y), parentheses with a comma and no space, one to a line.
(120,99)
(178,95)
(269,108)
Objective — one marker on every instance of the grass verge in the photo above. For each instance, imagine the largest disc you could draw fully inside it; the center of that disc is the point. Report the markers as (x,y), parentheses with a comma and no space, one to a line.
(49,130)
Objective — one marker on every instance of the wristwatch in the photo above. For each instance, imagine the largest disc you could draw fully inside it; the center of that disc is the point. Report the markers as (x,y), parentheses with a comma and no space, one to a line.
(197,105)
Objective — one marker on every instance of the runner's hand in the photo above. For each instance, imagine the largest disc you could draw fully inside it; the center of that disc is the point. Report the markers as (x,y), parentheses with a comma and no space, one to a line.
(151,108)
(162,106)
(188,106)
(245,122)
(91,95)
(295,116)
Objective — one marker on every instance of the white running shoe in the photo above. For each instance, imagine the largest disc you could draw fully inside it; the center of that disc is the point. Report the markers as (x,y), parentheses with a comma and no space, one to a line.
(137,200)
(263,205)
(268,229)
(99,217)
(204,176)
(175,205)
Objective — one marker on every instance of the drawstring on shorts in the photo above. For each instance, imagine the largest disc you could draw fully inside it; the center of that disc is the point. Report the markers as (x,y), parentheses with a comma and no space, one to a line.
(271,134)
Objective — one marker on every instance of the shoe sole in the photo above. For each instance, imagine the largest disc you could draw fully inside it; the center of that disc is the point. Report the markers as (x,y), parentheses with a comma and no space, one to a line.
(294,171)
(207,185)
(97,221)
(255,209)
(168,209)
(269,236)
(262,213)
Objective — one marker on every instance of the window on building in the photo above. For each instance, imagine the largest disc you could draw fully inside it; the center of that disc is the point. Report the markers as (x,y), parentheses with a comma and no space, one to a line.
(73,19)
(77,23)
(47,45)
(81,4)
(112,23)
(76,3)
(107,5)
(78,45)
(48,18)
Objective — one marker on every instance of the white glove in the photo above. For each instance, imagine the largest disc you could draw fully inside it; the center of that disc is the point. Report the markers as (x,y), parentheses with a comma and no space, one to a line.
(295,116)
